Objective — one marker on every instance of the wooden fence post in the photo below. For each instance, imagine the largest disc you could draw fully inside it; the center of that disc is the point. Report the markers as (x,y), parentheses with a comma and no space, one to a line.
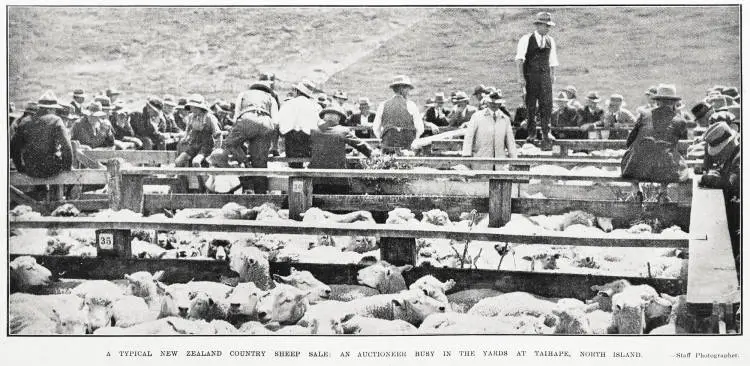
(114,183)
(132,192)
(398,251)
(500,194)
(300,196)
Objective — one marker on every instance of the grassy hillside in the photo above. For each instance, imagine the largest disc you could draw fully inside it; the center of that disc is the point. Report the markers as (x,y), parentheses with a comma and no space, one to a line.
(218,51)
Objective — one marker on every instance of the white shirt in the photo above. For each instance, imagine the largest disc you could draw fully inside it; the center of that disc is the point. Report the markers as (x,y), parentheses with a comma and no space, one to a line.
(298,114)
(523,45)
(411,107)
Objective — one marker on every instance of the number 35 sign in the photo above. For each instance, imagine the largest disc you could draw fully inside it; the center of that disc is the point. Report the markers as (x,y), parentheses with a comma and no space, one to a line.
(106,241)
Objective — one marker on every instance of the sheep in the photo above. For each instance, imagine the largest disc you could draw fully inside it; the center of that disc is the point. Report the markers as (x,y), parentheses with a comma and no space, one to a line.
(252,266)
(175,300)
(462,301)
(100,288)
(254,328)
(144,249)
(359,244)
(573,318)
(26,274)
(457,323)
(284,304)
(351,292)
(204,306)
(28,242)
(436,217)
(243,302)
(66,210)
(164,326)
(514,304)
(605,292)
(433,288)
(131,310)
(410,306)
(219,249)
(143,284)
(46,314)
(329,254)
(628,313)
(305,281)
(679,318)
(401,215)
(363,325)
(384,277)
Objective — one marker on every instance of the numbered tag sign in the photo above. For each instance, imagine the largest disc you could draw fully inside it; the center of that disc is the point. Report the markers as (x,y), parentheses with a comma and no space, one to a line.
(106,241)
(297,186)
(556,149)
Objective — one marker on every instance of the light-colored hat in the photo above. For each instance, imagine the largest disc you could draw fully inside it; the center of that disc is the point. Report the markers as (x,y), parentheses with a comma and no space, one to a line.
(561,97)
(197,101)
(105,102)
(363,101)
(593,96)
(429,102)
(460,97)
(401,80)
(78,93)
(94,109)
(718,136)
(666,92)
(48,100)
(652,90)
(170,100)
(340,94)
(112,91)
(572,90)
(544,17)
(335,110)
(302,88)
(720,102)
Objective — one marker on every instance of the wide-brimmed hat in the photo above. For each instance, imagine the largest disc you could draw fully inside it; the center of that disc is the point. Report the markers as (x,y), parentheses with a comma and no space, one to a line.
(363,101)
(722,116)
(69,112)
(718,136)
(197,101)
(224,106)
(304,89)
(401,80)
(730,91)
(78,93)
(439,97)
(652,90)
(700,110)
(593,96)
(48,100)
(429,102)
(155,102)
(169,100)
(219,158)
(562,96)
(119,108)
(31,107)
(480,89)
(95,109)
(104,101)
(572,91)
(719,102)
(340,94)
(666,92)
(460,97)
(496,98)
(112,91)
(262,85)
(181,103)
(269,76)
(544,17)
(333,109)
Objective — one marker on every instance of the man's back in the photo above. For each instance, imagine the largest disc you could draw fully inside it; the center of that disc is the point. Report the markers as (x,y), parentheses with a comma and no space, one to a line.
(41,146)
(259,99)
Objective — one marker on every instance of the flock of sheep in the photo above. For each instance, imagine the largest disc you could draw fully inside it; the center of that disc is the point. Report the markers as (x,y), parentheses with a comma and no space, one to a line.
(382,303)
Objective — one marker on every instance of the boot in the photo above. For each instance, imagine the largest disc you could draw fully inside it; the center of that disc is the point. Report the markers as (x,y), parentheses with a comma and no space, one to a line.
(546,144)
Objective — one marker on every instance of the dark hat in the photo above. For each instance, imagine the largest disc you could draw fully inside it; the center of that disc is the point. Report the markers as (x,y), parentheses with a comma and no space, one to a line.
(480,89)
(666,92)
(181,103)
(334,110)
(224,106)
(721,116)
(700,110)
(730,91)
(267,76)
(31,107)
(112,91)
(78,93)
(496,98)
(593,96)
(262,85)
(439,97)
(68,112)
(718,136)
(339,94)
(461,97)
(156,102)
(544,17)
(48,100)
(401,80)
(429,102)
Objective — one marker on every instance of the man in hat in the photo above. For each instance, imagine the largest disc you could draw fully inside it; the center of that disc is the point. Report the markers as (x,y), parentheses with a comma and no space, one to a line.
(222,110)
(566,115)
(113,94)
(649,103)
(68,116)
(269,78)
(489,134)
(591,113)
(93,131)
(364,118)
(297,118)
(41,145)
(652,145)
(463,112)
(255,124)
(722,168)
(29,112)
(181,113)
(702,112)
(168,110)
(617,118)
(124,135)
(536,60)
(397,120)
(572,95)
(146,127)
(77,103)
(202,136)
(328,144)
(339,100)
(323,100)
(437,116)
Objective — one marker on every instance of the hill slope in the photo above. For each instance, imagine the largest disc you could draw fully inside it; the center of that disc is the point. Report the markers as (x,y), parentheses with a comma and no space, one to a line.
(218,51)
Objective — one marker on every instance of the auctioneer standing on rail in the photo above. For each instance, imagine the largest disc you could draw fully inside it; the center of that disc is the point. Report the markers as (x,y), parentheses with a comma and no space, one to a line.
(397,121)
(536,62)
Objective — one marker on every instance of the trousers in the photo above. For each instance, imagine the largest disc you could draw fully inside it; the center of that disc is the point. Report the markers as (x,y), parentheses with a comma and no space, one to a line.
(257,130)
(538,99)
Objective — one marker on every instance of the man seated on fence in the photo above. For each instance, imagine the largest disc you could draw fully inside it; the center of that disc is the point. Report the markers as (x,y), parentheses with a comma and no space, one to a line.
(180,114)
(617,118)
(124,136)
(171,132)
(29,112)
(572,95)
(436,116)
(41,146)
(328,145)
(222,184)
(591,114)
(565,114)
(364,118)
(202,136)
(93,131)
(722,169)
(77,103)
(146,127)
(463,111)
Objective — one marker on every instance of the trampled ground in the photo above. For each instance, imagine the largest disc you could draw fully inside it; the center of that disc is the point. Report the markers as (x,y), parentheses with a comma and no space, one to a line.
(218,51)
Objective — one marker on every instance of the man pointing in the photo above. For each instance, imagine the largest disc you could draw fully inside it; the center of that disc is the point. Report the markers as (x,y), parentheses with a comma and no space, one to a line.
(536,60)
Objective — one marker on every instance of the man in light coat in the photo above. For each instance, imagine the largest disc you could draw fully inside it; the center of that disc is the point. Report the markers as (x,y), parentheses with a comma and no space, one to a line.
(489,134)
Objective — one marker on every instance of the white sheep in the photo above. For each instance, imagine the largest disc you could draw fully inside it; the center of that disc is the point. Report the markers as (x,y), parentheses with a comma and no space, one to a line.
(252,266)
(679,318)
(26,274)
(384,277)
(204,306)
(46,314)
(433,287)
(628,312)
(243,302)
(305,281)
(350,292)
(458,323)
(462,301)
(373,326)
(283,304)
(515,304)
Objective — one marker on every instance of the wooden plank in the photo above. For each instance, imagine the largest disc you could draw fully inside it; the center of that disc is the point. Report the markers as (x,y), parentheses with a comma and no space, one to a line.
(158,202)
(499,202)
(82,205)
(398,251)
(354,229)
(133,156)
(132,192)
(300,196)
(678,193)
(557,285)
(114,183)
(453,205)
(712,276)
(88,176)
(17,196)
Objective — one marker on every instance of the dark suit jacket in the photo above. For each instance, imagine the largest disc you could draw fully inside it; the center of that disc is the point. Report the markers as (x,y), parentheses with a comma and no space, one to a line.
(430,116)
(356,120)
